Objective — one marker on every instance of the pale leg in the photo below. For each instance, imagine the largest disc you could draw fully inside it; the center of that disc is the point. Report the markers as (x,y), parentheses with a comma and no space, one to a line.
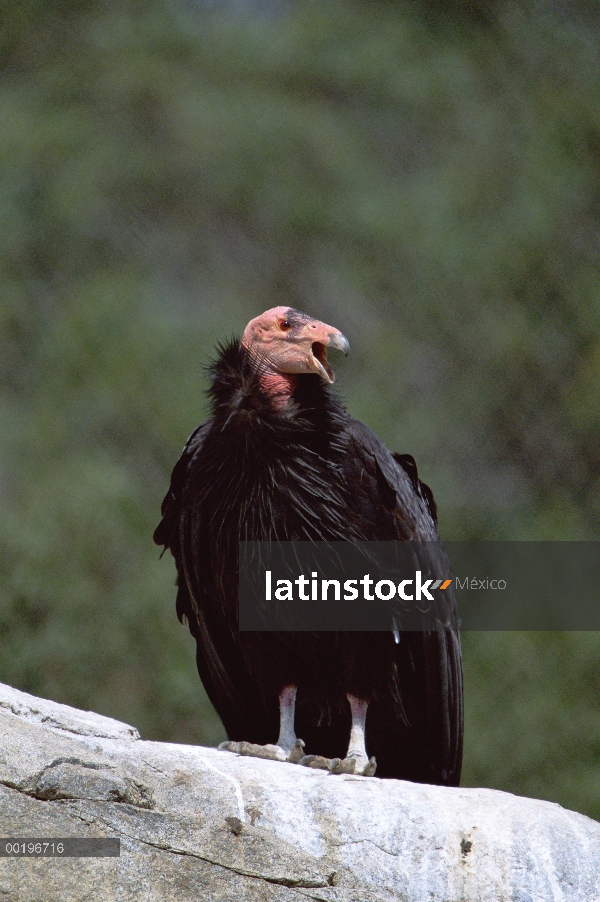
(356,746)
(287,714)
(288,747)
(356,760)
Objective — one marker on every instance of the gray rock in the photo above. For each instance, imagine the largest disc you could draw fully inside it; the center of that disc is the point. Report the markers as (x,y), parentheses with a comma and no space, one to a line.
(199,824)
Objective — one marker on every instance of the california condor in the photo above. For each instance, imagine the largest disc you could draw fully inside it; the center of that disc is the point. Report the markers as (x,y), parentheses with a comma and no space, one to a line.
(281,459)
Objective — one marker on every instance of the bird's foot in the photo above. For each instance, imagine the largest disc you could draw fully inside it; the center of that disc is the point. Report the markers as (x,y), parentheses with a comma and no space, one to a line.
(296,754)
(318,762)
(357,765)
(270,752)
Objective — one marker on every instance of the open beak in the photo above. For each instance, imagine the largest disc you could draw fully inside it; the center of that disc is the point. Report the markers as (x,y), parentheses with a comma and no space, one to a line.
(324,337)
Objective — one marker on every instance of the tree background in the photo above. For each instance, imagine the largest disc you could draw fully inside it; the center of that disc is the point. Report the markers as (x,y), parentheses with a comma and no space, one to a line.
(423,175)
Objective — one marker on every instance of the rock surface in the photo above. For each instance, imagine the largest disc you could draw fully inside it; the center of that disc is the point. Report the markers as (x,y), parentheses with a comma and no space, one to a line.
(199,824)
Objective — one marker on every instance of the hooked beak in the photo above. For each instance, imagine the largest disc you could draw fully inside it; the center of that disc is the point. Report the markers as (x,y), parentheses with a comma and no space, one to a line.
(339,342)
(323,337)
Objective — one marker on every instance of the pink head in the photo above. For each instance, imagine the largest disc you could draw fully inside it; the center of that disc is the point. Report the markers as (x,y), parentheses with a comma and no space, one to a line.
(287,343)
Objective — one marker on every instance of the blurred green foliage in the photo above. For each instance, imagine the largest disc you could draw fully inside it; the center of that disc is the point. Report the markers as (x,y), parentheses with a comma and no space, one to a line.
(424,176)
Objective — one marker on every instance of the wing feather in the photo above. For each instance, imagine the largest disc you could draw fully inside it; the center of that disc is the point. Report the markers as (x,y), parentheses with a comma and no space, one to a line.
(432,702)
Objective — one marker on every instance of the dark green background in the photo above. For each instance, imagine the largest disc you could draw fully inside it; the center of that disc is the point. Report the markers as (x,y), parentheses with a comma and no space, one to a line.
(423,176)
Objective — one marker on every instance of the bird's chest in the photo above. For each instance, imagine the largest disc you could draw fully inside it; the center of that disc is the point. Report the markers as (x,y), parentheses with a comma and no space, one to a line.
(261,487)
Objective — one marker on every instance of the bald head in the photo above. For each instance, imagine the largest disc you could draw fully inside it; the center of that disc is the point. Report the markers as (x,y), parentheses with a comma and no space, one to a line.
(288,342)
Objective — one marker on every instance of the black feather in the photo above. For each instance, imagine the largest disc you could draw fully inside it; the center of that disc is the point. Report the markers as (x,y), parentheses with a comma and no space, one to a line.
(306,472)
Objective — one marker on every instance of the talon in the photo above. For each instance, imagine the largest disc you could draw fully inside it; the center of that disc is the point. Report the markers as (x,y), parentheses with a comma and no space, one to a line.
(318,762)
(229,746)
(345,766)
(297,753)
(269,752)
(370,768)
(359,766)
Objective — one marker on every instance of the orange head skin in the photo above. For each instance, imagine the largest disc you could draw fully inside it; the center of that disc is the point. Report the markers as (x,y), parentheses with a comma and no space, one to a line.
(287,343)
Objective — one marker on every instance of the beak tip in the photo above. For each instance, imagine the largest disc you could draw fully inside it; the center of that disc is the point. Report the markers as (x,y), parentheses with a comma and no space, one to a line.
(340,343)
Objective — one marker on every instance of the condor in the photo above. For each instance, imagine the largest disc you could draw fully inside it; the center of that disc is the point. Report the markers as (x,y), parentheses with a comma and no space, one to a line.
(280,458)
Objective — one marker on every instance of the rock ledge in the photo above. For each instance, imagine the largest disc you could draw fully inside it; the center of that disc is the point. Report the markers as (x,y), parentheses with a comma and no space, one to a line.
(195,823)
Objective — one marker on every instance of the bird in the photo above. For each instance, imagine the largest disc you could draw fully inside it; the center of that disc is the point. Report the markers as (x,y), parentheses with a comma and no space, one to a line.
(281,459)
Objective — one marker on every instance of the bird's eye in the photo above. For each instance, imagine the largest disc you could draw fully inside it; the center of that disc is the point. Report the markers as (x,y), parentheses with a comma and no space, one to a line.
(284,325)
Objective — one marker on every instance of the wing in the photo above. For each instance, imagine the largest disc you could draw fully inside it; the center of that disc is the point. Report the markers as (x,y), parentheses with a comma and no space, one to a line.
(390,489)
(175,532)
(182,530)
(167,531)
(424,741)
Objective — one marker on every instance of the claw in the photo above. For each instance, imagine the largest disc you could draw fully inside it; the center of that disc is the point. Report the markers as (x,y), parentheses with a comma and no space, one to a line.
(297,753)
(269,752)
(316,761)
(228,746)
(359,766)
(342,765)
(372,767)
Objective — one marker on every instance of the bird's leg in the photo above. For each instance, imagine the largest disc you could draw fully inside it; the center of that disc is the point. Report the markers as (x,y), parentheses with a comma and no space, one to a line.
(356,760)
(287,713)
(288,747)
